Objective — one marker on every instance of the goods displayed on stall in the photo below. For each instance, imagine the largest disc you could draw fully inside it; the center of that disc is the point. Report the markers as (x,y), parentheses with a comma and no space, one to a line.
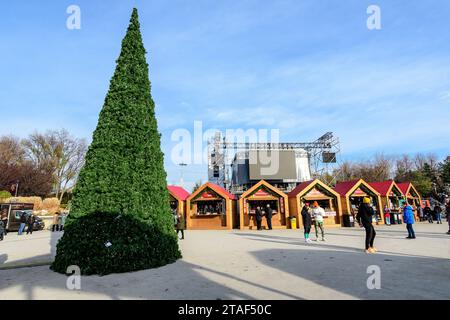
(210,207)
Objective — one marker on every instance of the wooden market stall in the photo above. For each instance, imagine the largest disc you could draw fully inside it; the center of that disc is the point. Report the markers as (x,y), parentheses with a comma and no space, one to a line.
(263,194)
(352,194)
(211,207)
(178,196)
(391,196)
(411,195)
(316,190)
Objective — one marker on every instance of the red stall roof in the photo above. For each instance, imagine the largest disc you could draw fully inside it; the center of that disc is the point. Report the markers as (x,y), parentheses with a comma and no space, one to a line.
(219,188)
(344,186)
(382,187)
(299,188)
(178,192)
(404,186)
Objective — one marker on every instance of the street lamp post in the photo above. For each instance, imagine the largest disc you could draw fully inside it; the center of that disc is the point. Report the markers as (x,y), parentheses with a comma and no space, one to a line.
(181,177)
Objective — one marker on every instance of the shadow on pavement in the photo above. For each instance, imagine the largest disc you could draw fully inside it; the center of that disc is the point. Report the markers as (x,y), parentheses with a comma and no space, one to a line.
(346,271)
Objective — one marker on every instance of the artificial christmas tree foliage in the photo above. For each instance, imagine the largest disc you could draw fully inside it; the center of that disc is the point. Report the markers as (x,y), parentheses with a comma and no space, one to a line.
(124,172)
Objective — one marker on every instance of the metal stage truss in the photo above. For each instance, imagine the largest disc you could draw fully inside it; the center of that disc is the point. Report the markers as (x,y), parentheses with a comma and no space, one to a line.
(323,155)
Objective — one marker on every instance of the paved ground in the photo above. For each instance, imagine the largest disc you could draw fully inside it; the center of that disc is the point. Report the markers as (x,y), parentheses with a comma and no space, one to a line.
(251,265)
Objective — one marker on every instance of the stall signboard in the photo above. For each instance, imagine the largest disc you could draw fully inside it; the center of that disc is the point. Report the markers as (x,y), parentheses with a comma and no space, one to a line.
(359,193)
(315,193)
(261,193)
(208,195)
(330,213)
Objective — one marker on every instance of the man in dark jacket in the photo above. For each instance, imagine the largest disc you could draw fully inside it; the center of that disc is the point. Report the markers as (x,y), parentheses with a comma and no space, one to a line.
(2,230)
(428,214)
(30,223)
(447,212)
(364,218)
(269,212)
(4,217)
(258,217)
(307,221)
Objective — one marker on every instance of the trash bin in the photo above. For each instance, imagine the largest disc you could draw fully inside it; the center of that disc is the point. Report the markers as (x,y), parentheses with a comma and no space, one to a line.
(399,218)
(393,218)
(348,221)
(293,221)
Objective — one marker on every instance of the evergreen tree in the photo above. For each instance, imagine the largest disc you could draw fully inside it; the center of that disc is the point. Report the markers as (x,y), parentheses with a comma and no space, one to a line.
(445,172)
(124,168)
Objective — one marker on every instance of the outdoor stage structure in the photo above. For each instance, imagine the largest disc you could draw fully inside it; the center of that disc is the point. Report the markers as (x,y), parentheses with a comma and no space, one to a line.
(352,194)
(263,194)
(238,166)
(211,207)
(316,190)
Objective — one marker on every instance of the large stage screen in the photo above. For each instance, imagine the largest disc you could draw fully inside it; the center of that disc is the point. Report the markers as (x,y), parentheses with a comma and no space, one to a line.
(272,165)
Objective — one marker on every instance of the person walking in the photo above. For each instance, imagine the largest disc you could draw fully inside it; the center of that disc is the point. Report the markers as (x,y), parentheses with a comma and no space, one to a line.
(447,212)
(387,215)
(428,214)
(364,218)
(2,230)
(63,221)
(420,212)
(318,212)
(269,213)
(437,213)
(180,225)
(307,220)
(4,219)
(408,217)
(30,223)
(55,225)
(23,221)
(258,217)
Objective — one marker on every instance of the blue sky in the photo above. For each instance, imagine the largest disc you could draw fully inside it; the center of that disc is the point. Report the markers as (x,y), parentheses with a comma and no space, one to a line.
(302,66)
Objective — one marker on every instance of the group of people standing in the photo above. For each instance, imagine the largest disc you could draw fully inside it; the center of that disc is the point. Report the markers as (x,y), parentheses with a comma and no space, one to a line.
(313,215)
(59,219)
(365,218)
(434,214)
(267,212)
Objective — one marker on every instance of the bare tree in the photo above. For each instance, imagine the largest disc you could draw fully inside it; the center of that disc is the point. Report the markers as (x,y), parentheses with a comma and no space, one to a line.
(11,152)
(59,151)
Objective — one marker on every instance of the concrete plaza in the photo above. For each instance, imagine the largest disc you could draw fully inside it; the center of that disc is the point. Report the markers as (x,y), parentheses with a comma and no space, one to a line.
(275,264)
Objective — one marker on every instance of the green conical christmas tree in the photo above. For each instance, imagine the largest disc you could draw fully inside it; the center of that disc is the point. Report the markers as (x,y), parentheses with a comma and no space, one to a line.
(124,170)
